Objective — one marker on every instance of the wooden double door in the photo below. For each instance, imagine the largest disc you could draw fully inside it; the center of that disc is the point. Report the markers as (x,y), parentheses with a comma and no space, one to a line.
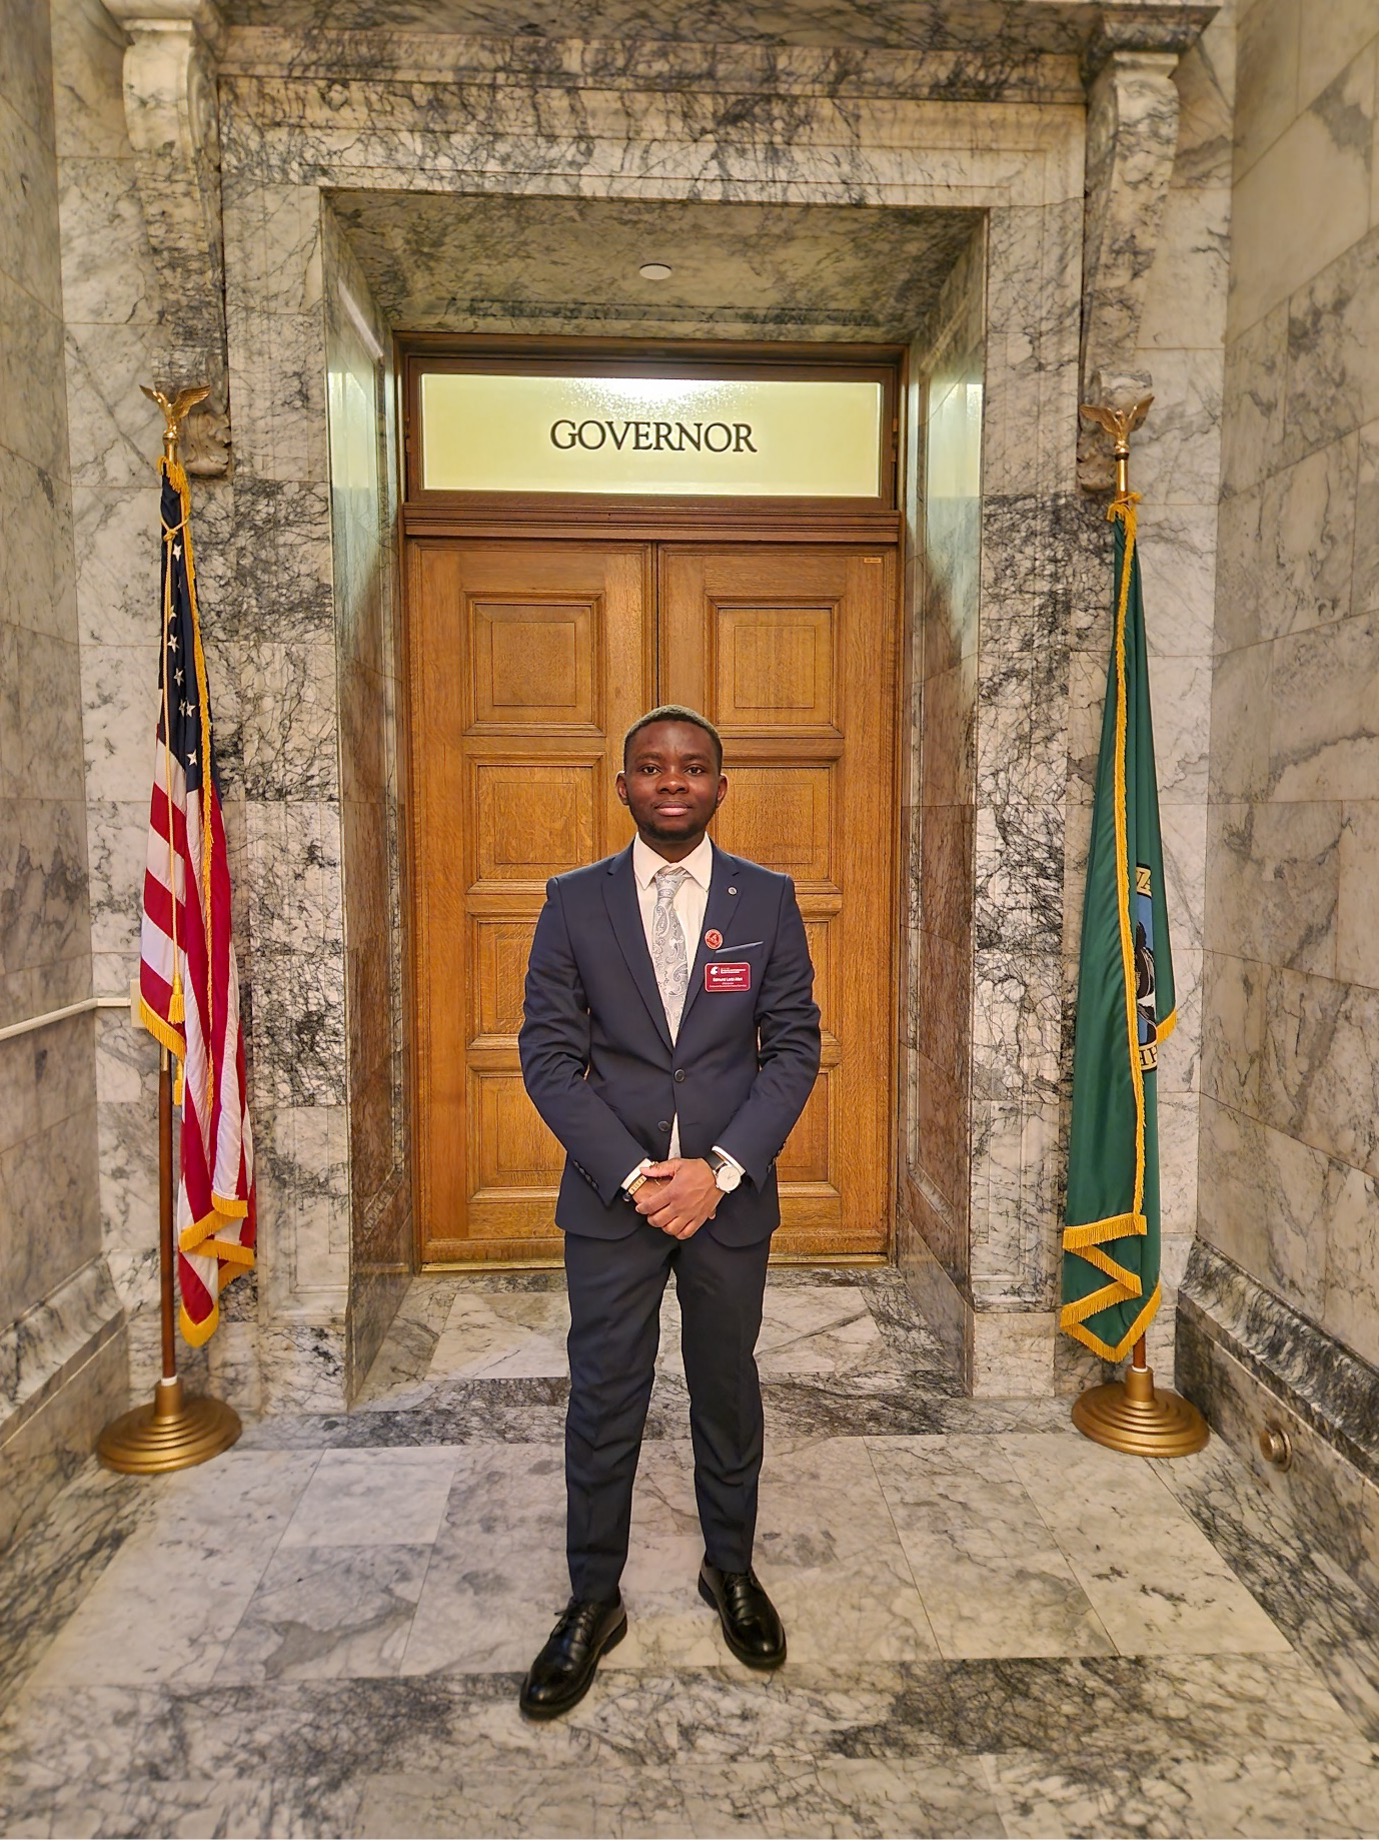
(527,662)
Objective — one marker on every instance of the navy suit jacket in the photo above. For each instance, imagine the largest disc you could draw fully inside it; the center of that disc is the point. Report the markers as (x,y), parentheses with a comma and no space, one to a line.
(602,1069)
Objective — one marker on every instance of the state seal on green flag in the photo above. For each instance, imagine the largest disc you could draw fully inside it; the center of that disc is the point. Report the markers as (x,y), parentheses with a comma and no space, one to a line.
(1125,1004)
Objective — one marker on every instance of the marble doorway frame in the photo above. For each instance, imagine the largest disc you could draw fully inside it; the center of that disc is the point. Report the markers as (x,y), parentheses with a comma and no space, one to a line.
(663,522)
(978,1241)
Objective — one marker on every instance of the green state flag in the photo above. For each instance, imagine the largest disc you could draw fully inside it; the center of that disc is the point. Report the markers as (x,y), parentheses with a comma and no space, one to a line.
(1124,1006)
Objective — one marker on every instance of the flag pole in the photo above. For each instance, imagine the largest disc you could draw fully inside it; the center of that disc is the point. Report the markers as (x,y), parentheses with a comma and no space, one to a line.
(1132,1415)
(171,1432)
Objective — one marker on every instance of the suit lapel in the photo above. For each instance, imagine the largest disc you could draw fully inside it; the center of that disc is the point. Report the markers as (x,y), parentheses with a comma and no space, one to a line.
(720,908)
(622,902)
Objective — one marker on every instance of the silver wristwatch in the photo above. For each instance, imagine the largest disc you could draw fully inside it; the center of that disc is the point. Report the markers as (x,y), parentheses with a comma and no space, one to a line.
(727,1175)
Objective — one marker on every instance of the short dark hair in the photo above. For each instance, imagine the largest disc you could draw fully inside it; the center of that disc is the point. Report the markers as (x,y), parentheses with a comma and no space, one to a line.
(673,713)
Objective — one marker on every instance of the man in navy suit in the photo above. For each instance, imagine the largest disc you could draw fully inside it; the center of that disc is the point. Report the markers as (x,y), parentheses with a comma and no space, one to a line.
(670,1040)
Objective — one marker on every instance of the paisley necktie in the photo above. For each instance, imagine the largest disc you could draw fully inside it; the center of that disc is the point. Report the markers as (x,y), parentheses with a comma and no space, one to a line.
(670,947)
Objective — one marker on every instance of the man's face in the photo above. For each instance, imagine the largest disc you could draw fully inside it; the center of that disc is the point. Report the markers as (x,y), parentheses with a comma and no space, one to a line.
(670,783)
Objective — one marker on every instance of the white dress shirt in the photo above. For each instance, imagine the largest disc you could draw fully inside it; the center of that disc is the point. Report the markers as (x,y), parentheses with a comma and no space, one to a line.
(689,905)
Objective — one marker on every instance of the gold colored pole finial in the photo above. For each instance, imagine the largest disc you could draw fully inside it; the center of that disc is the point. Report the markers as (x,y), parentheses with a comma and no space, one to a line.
(173,413)
(1119,425)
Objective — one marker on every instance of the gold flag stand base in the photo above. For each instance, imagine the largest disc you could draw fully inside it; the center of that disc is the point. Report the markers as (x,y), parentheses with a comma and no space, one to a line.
(1133,1416)
(168,1435)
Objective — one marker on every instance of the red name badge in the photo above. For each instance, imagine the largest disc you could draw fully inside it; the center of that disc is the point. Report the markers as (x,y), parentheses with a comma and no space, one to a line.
(727,978)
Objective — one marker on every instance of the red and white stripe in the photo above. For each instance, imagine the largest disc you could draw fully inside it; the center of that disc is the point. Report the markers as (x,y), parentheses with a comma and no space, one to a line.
(186,931)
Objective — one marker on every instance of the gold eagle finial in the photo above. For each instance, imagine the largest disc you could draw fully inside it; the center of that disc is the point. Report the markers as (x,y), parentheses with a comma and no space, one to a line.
(174,412)
(1119,425)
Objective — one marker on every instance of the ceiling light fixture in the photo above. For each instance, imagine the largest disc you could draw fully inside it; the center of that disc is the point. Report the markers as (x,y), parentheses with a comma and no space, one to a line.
(655,271)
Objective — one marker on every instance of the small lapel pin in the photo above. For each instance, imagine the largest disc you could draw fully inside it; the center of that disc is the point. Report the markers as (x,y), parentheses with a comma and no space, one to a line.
(714,939)
(732,890)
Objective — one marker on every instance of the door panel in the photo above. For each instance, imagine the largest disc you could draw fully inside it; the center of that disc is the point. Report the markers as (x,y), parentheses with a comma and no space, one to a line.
(527,664)
(790,652)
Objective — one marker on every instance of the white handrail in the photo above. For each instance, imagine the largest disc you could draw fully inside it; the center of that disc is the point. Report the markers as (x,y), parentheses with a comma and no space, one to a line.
(112,1003)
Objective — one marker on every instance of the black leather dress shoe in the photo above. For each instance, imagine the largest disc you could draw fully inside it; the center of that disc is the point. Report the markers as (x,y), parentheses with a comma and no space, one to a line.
(565,1667)
(752,1627)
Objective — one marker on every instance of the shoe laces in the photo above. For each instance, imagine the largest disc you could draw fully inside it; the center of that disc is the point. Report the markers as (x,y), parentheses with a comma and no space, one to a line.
(580,1618)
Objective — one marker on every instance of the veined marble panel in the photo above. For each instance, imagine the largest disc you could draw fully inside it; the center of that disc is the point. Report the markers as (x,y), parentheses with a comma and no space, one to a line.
(50,1445)
(1325,150)
(1332,382)
(1264,1196)
(28,250)
(1289,1353)
(1324,722)
(862,274)
(851,24)
(1272,881)
(61,1376)
(1357,918)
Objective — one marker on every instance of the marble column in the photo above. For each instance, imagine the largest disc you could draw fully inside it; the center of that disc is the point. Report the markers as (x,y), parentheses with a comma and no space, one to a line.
(62,1346)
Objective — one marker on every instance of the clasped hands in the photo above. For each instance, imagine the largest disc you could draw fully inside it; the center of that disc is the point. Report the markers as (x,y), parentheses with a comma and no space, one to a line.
(678,1196)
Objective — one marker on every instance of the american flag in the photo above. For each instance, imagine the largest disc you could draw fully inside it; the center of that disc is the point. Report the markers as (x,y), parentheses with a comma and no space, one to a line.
(189,992)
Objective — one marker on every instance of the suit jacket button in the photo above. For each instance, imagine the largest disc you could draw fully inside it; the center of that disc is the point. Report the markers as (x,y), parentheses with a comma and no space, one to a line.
(665,1125)
(679,1074)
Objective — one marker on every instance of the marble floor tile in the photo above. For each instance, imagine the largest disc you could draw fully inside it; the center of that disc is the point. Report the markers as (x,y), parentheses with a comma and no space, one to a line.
(325,1612)
(993,1581)
(165,1606)
(837,1797)
(504,1333)
(524,1409)
(323,1632)
(362,1499)
(241,1497)
(833,1559)
(826,1551)
(406,1353)
(1051,1745)
(807,1331)
(1293,1793)
(517,1802)
(850,1750)
(1325,1613)
(498,1575)
(901,1325)
(670,1626)
(161,1612)
(1157,1583)
(816,1332)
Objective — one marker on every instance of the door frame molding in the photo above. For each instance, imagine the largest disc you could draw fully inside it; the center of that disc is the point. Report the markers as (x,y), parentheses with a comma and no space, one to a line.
(651,520)
(521,514)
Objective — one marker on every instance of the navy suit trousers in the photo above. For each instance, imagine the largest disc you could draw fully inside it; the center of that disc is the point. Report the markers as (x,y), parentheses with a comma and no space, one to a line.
(614,1289)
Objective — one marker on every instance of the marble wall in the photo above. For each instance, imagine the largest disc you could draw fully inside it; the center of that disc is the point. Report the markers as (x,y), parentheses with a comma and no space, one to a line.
(361,414)
(115,340)
(1016,633)
(1288,1111)
(407,164)
(62,1352)
(823,130)
(1179,344)
(945,409)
